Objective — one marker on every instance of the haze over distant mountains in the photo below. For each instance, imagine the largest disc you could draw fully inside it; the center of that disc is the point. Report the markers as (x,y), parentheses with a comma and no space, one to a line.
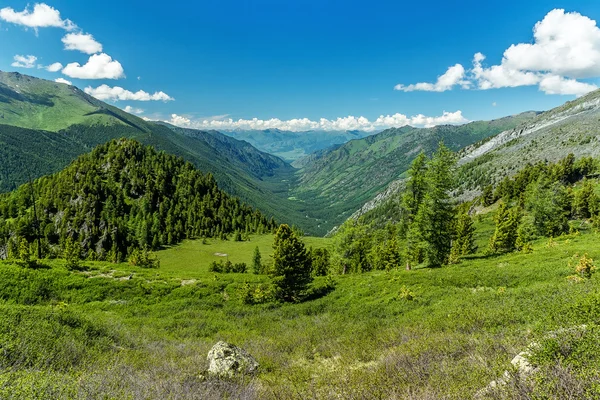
(294,145)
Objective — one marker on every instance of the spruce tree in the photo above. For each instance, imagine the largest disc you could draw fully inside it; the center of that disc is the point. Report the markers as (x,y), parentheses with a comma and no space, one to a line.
(291,265)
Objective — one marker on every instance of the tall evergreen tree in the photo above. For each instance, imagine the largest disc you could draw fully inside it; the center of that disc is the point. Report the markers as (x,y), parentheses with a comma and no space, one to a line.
(411,202)
(507,223)
(435,218)
(256,261)
(291,265)
(464,241)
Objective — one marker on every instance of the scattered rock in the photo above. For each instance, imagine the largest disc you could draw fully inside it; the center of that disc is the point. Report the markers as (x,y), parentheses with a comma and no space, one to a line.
(227,360)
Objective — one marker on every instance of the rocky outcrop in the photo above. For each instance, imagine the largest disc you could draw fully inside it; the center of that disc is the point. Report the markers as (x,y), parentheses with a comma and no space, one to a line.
(227,360)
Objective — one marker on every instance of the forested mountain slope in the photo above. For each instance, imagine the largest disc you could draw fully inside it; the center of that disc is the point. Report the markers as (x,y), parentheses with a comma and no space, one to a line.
(120,197)
(341,180)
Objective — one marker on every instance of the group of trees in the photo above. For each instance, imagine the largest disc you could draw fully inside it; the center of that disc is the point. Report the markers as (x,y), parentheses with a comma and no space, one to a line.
(431,228)
(119,198)
(540,200)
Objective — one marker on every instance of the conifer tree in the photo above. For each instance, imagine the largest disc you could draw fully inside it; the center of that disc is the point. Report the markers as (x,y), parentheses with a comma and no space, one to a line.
(411,202)
(505,235)
(291,265)
(435,218)
(256,261)
(464,242)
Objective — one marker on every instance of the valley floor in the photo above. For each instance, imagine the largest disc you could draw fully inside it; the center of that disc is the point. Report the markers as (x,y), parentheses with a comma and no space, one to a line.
(115,331)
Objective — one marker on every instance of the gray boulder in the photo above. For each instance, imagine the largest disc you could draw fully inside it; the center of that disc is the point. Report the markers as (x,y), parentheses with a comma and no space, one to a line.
(227,360)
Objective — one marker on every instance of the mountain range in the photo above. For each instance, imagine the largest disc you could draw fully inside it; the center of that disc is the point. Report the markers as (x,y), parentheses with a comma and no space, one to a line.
(45,125)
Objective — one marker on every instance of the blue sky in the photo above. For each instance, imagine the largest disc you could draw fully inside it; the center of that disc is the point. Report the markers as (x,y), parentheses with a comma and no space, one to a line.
(304,60)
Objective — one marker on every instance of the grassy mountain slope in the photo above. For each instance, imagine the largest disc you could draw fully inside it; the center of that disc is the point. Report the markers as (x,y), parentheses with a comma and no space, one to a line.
(294,145)
(118,331)
(341,180)
(45,125)
(552,135)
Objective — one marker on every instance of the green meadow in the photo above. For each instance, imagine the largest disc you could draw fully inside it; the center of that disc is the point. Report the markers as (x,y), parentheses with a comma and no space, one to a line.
(115,331)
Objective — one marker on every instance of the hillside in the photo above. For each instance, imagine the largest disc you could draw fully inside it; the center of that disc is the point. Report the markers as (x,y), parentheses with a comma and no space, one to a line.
(292,146)
(45,125)
(552,135)
(341,180)
(120,197)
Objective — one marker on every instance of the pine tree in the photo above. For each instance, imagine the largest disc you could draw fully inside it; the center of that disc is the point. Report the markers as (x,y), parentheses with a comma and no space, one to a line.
(256,261)
(320,261)
(72,253)
(487,197)
(505,235)
(291,265)
(585,201)
(24,251)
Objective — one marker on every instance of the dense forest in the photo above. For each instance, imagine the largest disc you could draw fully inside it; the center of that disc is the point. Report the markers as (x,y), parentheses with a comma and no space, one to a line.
(119,198)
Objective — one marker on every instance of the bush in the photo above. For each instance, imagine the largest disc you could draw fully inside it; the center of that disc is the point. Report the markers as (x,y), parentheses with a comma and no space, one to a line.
(144,259)
(227,267)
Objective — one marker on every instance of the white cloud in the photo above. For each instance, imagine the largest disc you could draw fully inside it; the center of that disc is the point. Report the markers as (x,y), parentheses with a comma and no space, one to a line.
(83,42)
(179,120)
(566,44)
(499,76)
(99,66)
(55,67)
(105,92)
(554,84)
(42,16)
(305,124)
(62,80)
(24,61)
(133,110)
(566,47)
(453,76)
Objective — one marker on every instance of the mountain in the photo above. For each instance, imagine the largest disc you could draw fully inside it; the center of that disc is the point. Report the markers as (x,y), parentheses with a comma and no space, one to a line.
(294,145)
(121,197)
(551,136)
(45,125)
(339,181)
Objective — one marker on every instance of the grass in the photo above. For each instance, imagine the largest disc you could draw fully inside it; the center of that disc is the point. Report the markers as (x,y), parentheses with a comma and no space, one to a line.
(132,333)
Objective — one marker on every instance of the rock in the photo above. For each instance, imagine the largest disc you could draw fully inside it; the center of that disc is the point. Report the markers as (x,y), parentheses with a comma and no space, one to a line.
(227,360)
(522,364)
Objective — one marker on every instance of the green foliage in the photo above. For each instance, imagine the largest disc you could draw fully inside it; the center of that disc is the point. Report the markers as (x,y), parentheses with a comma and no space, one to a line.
(352,244)
(435,218)
(585,201)
(464,241)
(227,267)
(550,205)
(291,265)
(124,196)
(144,258)
(507,224)
(72,254)
(257,266)
(320,261)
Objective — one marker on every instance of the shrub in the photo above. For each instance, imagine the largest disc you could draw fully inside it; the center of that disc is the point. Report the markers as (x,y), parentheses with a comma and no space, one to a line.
(144,259)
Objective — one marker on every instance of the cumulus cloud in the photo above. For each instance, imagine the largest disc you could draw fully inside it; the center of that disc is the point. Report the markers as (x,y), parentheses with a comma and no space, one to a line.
(133,110)
(62,80)
(24,61)
(305,124)
(499,76)
(554,84)
(55,67)
(105,92)
(42,16)
(99,66)
(83,42)
(566,47)
(455,75)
